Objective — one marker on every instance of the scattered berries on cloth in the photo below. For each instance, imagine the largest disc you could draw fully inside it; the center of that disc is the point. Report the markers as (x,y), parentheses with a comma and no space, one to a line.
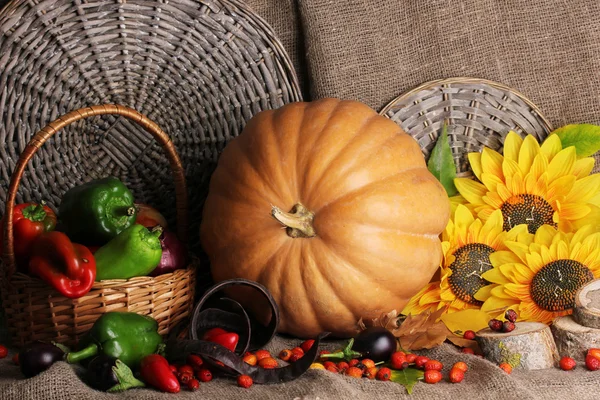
(295,357)
(368,363)
(185,369)
(592,363)
(268,363)
(511,315)
(461,365)
(508,326)
(260,354)
(244,381)
(285,354)
(332,368)
(3,351)
(184,379)
(467,350)
(343,365)
(354,362)
(316,366)
(433,365)
(384,374)
(298,350)
(371,373)
(194,361)
(15,359)
(594,353)
(398,360)
(354,372)
(250,359)
(411,357)
(193,385)
(204,375)
(433,376)
(306,345)
(456,375)
(495,325)
(506,367)
(420,361)
(469,335)
(567,363)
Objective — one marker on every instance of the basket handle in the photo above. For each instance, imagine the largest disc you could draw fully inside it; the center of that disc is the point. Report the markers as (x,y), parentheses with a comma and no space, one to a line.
(52,128)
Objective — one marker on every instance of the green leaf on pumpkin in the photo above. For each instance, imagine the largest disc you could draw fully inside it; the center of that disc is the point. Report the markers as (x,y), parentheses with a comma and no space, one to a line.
(441,163)
(407,377)
(585,138)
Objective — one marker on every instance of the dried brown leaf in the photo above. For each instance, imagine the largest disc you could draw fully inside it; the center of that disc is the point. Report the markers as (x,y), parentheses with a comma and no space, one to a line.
(387,320)
(422,331)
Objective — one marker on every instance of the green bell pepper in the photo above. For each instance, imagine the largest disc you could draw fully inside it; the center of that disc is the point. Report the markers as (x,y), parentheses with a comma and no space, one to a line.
(124,335)
(97,211)
(134,252)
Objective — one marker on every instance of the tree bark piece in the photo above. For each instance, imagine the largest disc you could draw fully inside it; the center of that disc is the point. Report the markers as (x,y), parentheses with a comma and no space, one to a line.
(587,305)
(572,339)
(529,346)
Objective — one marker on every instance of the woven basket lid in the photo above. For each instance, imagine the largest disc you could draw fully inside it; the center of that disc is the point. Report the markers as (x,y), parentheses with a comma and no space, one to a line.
(478,113)
(198,69)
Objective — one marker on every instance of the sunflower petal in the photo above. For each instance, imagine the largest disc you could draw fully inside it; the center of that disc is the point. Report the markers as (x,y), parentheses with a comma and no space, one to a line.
(492,228)
(551,146)
(475,163)
(520,249)
(495,304)
(584,189)
(512,145)
(484,292)
(510,167)
(527,153)
(544,235)
(559,188)
(491,181)
(502,257)
(573,211)
(494,275)
(583,167)
(539,166)
(472,191)
(562,164)
(491,162)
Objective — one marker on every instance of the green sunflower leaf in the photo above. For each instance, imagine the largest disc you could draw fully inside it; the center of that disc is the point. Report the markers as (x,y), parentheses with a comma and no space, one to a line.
(407,377)
(441,164)
(585,138)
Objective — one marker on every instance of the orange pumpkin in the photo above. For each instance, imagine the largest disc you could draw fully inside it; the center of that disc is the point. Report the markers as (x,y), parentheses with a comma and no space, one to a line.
(331,207)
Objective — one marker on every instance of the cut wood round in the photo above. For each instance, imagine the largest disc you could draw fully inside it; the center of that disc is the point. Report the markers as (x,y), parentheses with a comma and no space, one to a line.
(587,305)
(572,339)
(529,346)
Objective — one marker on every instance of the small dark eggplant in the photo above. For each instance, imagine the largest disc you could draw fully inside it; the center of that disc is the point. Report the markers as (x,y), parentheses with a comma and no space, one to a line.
(108,374)
(376,343)
(37,357)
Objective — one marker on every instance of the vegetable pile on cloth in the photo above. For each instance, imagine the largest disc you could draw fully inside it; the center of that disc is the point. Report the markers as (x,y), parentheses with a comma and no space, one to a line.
(482,380)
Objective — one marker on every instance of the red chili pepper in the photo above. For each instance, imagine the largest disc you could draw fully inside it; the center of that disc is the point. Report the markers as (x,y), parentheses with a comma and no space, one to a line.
(29,221)
(69,267)
(213,332)
(156,372)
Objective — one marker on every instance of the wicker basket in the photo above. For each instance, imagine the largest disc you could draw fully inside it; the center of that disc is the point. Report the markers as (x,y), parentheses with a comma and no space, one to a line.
(200,69)
(35,311)
(478,112)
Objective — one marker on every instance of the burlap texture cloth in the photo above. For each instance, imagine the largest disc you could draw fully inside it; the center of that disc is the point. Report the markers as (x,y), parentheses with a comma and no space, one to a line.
(373,51)
(484,380)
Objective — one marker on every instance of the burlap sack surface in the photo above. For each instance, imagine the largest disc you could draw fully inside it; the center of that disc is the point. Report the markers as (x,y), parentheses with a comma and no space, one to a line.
(375,50)
(483,381)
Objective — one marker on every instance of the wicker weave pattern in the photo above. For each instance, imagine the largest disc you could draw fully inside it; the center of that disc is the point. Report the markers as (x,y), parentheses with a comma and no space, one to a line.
(200,69)
(35,311)
(479,113)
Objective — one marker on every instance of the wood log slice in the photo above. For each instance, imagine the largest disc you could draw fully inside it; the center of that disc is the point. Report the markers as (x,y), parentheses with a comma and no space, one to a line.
(529,346)
(572,339)
(587,305)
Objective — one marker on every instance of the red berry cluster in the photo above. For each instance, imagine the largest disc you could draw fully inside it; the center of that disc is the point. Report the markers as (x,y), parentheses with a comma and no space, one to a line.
(191,374)
(506,326)
(293,355)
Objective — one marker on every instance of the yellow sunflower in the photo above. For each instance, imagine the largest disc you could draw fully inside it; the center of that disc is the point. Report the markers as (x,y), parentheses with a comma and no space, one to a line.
(539,274)
(467,243)
(533,184)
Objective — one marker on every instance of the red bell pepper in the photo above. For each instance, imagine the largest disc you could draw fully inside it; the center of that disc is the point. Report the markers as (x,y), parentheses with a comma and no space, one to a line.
(156,372)
(29,221)
(229,340)
(69,267)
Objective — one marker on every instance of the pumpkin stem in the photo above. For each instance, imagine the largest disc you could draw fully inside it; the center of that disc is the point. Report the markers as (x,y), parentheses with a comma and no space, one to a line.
(299,221)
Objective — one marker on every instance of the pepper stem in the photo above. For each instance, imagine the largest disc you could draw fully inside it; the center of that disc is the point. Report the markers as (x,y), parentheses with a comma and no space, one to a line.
(35,212)
(299,221)
(346,354)
(78,356)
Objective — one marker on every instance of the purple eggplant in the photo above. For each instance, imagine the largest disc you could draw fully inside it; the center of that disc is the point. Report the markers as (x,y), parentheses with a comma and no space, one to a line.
(174,254)
(38,357)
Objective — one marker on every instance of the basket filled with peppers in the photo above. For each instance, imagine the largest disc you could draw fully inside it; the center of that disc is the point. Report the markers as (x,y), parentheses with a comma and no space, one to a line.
(101,252)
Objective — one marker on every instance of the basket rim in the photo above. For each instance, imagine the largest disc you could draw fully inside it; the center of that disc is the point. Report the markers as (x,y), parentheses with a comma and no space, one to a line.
(461,79)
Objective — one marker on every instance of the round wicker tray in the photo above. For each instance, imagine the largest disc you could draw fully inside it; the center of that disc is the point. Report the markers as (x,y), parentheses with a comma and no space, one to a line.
(198,69)
(478,113)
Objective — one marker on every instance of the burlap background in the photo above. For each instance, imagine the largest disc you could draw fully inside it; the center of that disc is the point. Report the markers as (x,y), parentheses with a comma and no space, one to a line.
(375,50)
(483,381)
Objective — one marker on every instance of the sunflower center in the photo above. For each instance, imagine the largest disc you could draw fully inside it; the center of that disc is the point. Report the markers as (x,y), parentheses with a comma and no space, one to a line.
(553,287)
(471,260)
(528,209)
